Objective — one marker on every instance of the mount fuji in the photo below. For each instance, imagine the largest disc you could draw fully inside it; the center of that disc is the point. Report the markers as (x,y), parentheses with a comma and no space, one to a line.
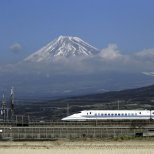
(68,66)
(63,46)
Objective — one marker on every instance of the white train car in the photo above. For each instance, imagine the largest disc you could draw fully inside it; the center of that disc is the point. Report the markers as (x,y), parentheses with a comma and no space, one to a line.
(111,115)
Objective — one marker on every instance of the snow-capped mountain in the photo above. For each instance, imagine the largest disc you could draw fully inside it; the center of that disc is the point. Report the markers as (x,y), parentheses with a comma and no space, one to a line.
(63,46)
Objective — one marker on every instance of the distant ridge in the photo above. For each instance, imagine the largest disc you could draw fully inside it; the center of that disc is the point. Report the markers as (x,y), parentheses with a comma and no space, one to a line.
(143,95)
(131,99)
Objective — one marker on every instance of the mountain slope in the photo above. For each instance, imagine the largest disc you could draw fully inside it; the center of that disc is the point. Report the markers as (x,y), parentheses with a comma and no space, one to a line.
(131,99)
(63,46)
(139,96)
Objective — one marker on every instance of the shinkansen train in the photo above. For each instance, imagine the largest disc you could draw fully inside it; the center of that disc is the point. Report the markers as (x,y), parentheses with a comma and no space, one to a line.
(111,115)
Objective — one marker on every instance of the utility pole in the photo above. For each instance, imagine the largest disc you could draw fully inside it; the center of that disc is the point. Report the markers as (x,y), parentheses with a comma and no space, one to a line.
(3,111)
(68,112)
(12,102)
(118,104)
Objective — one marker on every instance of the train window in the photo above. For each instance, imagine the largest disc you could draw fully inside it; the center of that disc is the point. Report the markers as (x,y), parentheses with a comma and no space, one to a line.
(122,114)
(98,114)
(87,113)
(132,114)
(118,114)
(139,112)
(102,114)
(90,112)
(105,114)
(152,112)
(112,114)
(108,114)
(95,114)
(125,114)
(136,114)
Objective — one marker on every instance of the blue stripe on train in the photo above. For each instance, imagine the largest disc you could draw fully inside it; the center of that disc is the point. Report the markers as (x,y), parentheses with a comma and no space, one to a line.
(117,116)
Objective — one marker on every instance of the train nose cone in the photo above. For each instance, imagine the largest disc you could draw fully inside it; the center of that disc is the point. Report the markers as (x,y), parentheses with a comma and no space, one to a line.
(64,118)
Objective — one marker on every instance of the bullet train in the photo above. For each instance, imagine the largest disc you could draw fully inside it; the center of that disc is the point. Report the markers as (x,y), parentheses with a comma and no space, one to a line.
(111,115)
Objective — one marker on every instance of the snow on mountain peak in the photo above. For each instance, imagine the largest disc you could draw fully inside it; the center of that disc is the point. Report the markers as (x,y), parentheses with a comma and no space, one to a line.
(63,46)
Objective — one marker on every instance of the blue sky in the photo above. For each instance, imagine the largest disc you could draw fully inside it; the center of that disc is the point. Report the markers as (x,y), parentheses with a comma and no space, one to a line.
(27,25)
